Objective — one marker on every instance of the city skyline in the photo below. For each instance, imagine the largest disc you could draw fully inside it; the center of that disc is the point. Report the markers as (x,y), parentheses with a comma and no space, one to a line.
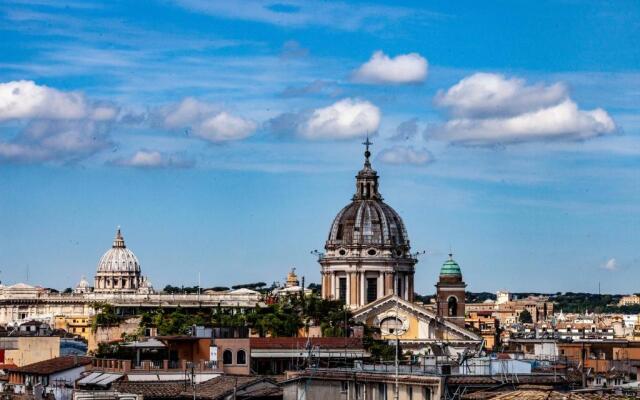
(224,140)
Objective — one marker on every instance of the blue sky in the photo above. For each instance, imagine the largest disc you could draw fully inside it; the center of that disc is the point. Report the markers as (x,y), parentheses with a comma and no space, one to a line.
(224,136)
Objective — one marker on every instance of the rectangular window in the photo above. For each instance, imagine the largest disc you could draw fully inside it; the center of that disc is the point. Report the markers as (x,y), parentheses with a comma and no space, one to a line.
(427,393)
(382,391)
(399,289)
(372,289)
(342,289)
(410,393)
(344,386)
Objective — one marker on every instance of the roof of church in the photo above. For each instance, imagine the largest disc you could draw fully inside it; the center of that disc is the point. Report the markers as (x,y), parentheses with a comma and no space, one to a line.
(367,220)
(450,267)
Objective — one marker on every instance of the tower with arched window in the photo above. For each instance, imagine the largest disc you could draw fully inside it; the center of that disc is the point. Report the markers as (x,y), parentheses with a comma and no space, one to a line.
(450,292)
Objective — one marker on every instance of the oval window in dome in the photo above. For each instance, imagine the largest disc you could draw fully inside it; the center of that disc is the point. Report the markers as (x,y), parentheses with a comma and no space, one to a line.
(342,252)
(372,252)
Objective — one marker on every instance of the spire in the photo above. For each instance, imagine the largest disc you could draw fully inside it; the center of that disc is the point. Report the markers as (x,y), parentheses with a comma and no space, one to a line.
(119,240)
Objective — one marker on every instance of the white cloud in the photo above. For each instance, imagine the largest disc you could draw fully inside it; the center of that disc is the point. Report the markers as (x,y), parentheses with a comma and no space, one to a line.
(345,119)
(224,126)
(153,159)
(489,109)
(404,68)
(207,121)
(484,94)
(188,111)
(55,125)
(27,100)
(610,265)
(46,140)
(405,155)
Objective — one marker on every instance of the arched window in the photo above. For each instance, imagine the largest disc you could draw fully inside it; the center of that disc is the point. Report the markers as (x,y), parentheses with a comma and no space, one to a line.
(452,304)
(241,357)
(227,357)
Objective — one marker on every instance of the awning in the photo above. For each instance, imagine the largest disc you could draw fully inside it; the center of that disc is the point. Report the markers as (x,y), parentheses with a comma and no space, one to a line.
(99,379)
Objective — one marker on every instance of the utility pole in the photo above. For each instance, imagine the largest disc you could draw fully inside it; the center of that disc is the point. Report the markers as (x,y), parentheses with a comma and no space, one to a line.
(396,395)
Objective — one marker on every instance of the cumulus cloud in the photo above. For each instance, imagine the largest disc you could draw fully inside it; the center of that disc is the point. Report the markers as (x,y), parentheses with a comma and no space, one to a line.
(46,140)
(345,119)
(489,109)
(610,265)
(207,121)
(27,100)
(405,155)
(55,125)
(153,159)
(382,69)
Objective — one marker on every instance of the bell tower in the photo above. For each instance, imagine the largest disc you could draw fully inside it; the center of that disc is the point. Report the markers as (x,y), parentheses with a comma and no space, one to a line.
(450,293)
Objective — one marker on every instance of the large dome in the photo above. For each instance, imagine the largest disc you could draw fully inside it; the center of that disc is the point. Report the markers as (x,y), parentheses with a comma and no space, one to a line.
(119,258)
(368,220)
(367,254)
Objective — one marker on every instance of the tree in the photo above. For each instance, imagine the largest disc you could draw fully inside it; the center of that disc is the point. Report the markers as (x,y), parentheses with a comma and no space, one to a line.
(68,290)
(525,317)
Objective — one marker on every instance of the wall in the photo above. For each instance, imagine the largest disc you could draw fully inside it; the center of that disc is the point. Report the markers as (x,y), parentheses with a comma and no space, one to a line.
(335,389)
(28,350)
(110,333)
(234,345)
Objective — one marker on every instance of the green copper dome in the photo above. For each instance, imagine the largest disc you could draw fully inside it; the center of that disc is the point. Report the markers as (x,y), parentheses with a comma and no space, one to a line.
(450,267)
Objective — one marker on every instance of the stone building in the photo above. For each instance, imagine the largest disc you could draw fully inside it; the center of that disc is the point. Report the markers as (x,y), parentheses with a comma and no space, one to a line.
(367,254)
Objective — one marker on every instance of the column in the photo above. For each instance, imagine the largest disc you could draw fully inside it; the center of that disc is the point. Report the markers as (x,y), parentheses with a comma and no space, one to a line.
(334,289)
(380,285)
(348,299)
(363,290)
(388,283)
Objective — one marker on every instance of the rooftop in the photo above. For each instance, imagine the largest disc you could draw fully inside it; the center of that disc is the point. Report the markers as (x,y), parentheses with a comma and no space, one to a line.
(53,365)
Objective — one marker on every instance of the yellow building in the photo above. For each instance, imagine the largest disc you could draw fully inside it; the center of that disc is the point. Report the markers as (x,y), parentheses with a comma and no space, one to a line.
(410,322)
(75,324)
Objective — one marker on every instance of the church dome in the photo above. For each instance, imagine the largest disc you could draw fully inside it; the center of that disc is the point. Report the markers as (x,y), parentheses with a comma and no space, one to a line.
(450,268)
(119,258)
(368,220)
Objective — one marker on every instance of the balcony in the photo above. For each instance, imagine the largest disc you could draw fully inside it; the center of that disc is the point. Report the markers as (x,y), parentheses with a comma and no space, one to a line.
(128,366)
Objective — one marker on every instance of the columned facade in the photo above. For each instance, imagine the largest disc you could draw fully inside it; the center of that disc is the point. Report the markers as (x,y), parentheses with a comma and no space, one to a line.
(367,254)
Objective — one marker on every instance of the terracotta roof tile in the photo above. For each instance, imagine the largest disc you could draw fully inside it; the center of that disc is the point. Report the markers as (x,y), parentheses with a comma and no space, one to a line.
(53,365)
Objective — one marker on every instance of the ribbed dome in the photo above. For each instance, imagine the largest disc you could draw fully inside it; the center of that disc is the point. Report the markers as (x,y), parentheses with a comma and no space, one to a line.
(367,220)
(450,268)
(119,258)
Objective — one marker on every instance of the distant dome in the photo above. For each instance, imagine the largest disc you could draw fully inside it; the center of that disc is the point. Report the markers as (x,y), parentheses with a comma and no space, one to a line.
(450,268)
(367,220)
(83,283)
(119,258)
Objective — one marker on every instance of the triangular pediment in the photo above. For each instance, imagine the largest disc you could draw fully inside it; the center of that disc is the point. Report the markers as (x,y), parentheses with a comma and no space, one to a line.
(385,304)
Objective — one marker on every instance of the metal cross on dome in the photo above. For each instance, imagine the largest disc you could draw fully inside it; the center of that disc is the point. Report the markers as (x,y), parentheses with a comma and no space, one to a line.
(367,143)
(367,153)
